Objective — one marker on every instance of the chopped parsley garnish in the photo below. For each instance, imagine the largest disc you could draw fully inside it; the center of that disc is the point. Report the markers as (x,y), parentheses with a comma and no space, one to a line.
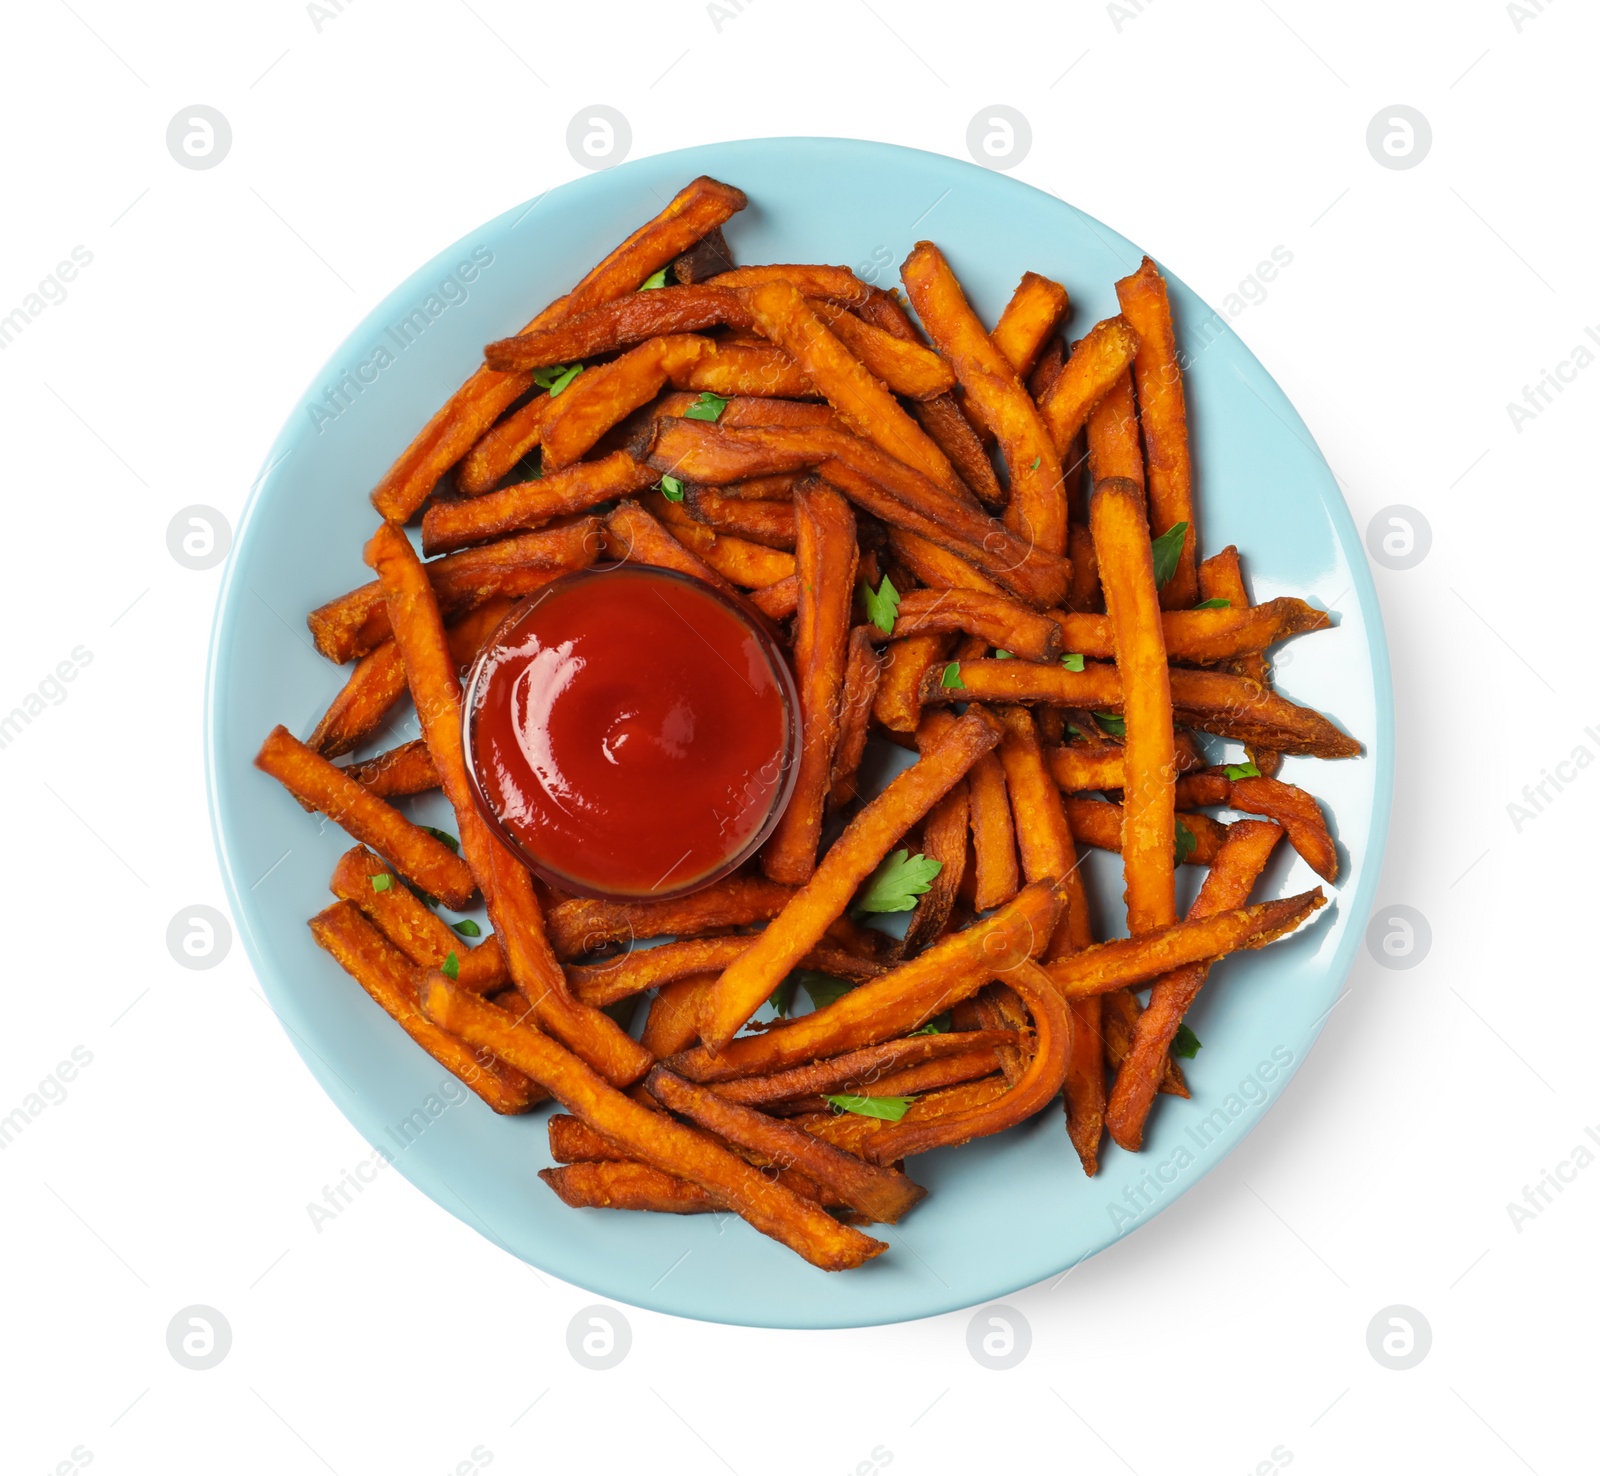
(382,882)
(1182,843)
(1073,661)
(443,835)
(451,967)
(656,279)
(891,1109)
(671,488)
(707,407)
(1246,770)
(1185,1043)
(1112,724)
(1216,602)
(882,606)
(952,676)
(557,377)
(1165,551)
(897,883)
(467,928)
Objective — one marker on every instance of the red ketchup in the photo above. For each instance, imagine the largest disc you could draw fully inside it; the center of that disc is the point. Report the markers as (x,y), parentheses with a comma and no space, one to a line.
(630,733)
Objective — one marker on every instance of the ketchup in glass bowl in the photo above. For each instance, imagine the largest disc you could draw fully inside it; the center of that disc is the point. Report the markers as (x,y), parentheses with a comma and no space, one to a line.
(631,732)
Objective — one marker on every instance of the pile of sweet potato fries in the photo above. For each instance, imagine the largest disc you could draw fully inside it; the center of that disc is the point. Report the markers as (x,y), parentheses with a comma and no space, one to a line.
(978,543)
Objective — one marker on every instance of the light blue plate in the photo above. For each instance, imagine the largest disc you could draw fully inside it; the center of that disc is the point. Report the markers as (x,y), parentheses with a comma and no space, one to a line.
(1001,1213)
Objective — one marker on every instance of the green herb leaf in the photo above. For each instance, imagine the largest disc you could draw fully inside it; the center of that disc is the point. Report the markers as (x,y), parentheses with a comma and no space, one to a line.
(952,676)
(898,882)
(891,1109)
(824,989)
(467,928)
(1182,843)
(671,488)
(782,997)
(883,606)
(382,882)
(1246,770)
(1073,661)
(1000,655)
(1165,551)
(443,835)
(1076,731)
(451,967)
(1112,724)
(657,279)
(1035,466)
(707,407)
(556,377)
(1185,1043)
(938,1025)
(1215,603)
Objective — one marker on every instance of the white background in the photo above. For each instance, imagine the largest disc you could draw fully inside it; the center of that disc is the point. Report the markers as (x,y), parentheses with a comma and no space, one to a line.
(1230,1334)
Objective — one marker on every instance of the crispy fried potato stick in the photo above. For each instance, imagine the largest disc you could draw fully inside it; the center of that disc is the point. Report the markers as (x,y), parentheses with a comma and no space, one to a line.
(673,1022)
(635,319)
(1127,574)
(633,535)
(861,400)
(902,1000)
(742,563)
(863,669)
(1076,767)
(882,1194)
(582,925)
(379,968)
(407,769)
(608,394)
(867,1070)
(898,702)
(1035,312)
(318,785)
(652,1137)
(1227,886)
(851,1132)
(639,969)
(1165,422)
(1212,701)
(944,839)
(701,206)
(626,1185)
(825,566)
(904,365)
(768,523)
(379,681)
(1130,961)
(414,929)
(741,369)
(450,525)
(1097,362)
(937,567)
(358,622)
(777,601)
(1114,435)
(1221,578)
(1099,823)
(1001,621)
(507,888)
(1204,637)
(1037,509)
(1039,1082)
(831,283)
(1295,810)
(994,840)
(865,842)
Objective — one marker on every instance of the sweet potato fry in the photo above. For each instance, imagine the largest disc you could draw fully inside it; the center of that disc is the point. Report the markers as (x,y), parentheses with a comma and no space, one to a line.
(1295,810)
(1033,314)
(1097,362)
(385,973)
(1099,823)
(1037,509)
(778,489)
(672,1024)
(416,931)
(862,402)
(865,1070)
(904,366)
(1002,622)
(1211,701)
(862,670)
(1204,637)
(1079,766)
(884,1195)
(582,925)
(407,769)
(651,1137)
(994,841)
(768,523)
(626,1185)
(1114,449)
(573,1141)
(317,784)
(379,681)
(1083,594)
(906,664)
(777,601)
(1043,374)
(1220,577)
(825,565)
(450,525)
(902,1000)
(881,485)
(1227,886)
(937,567)
(358,622)
(744,369)
(930,1076)
(647,968)
(953,434)
(620,324)
(606,395)
(1131,961)
(632,534)
(1164,420)
(852,1133)
(866,841)
(740,562)
(503,445)
(507,888)
(704,260)
(831,283)
(944,839)
(699,207)
(1039,1082)
(1119,1020)
(1127,574)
